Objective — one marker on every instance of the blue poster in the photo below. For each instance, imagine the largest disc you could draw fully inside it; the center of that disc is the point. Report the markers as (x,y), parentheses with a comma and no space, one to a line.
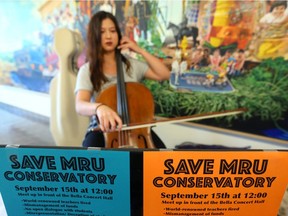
(57,181)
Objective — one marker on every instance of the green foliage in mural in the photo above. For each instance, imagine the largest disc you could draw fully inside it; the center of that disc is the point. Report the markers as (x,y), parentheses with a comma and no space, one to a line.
(263,91)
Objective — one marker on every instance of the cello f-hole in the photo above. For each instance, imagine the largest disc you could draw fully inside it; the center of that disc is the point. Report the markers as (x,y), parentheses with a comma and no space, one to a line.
(144,140)
(112,143)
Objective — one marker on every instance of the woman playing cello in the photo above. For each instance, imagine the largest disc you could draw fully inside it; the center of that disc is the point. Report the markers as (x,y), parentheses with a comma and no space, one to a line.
(104,38)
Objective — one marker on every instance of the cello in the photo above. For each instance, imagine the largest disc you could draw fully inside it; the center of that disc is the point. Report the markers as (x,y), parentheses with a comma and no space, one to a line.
(124,98)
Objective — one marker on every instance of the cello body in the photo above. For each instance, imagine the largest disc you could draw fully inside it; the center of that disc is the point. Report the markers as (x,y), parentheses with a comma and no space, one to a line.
(140,104)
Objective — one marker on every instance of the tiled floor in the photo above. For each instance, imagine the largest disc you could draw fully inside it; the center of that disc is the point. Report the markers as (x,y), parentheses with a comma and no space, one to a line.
(23,130)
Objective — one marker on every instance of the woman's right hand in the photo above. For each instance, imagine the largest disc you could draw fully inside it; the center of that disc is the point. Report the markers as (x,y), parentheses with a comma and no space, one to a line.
(108,119)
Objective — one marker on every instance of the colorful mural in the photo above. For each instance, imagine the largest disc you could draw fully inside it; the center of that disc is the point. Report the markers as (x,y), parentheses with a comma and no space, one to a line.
(27,57)
(222,54)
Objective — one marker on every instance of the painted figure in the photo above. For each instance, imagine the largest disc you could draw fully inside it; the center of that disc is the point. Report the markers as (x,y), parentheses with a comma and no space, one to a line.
(240,60)
(205,60)
(176,70)
(196,58)
(215,60)
(277,15)
(142,12)
(228,61)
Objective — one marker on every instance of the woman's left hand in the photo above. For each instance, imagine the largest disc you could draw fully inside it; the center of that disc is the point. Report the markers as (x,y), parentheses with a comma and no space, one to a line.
(126,43)
(157,70)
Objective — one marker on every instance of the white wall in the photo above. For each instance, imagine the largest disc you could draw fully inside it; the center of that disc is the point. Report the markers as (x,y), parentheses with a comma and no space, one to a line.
(175,134)
(32,101)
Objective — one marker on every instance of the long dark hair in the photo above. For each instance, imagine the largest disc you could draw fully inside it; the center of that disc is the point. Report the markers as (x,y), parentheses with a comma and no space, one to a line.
(95,51)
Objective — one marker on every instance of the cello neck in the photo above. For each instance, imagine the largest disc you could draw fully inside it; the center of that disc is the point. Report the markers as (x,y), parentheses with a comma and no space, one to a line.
(122,107)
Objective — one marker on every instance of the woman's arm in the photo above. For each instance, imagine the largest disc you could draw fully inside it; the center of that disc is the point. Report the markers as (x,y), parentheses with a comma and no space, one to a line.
(83,105)
(157,69)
